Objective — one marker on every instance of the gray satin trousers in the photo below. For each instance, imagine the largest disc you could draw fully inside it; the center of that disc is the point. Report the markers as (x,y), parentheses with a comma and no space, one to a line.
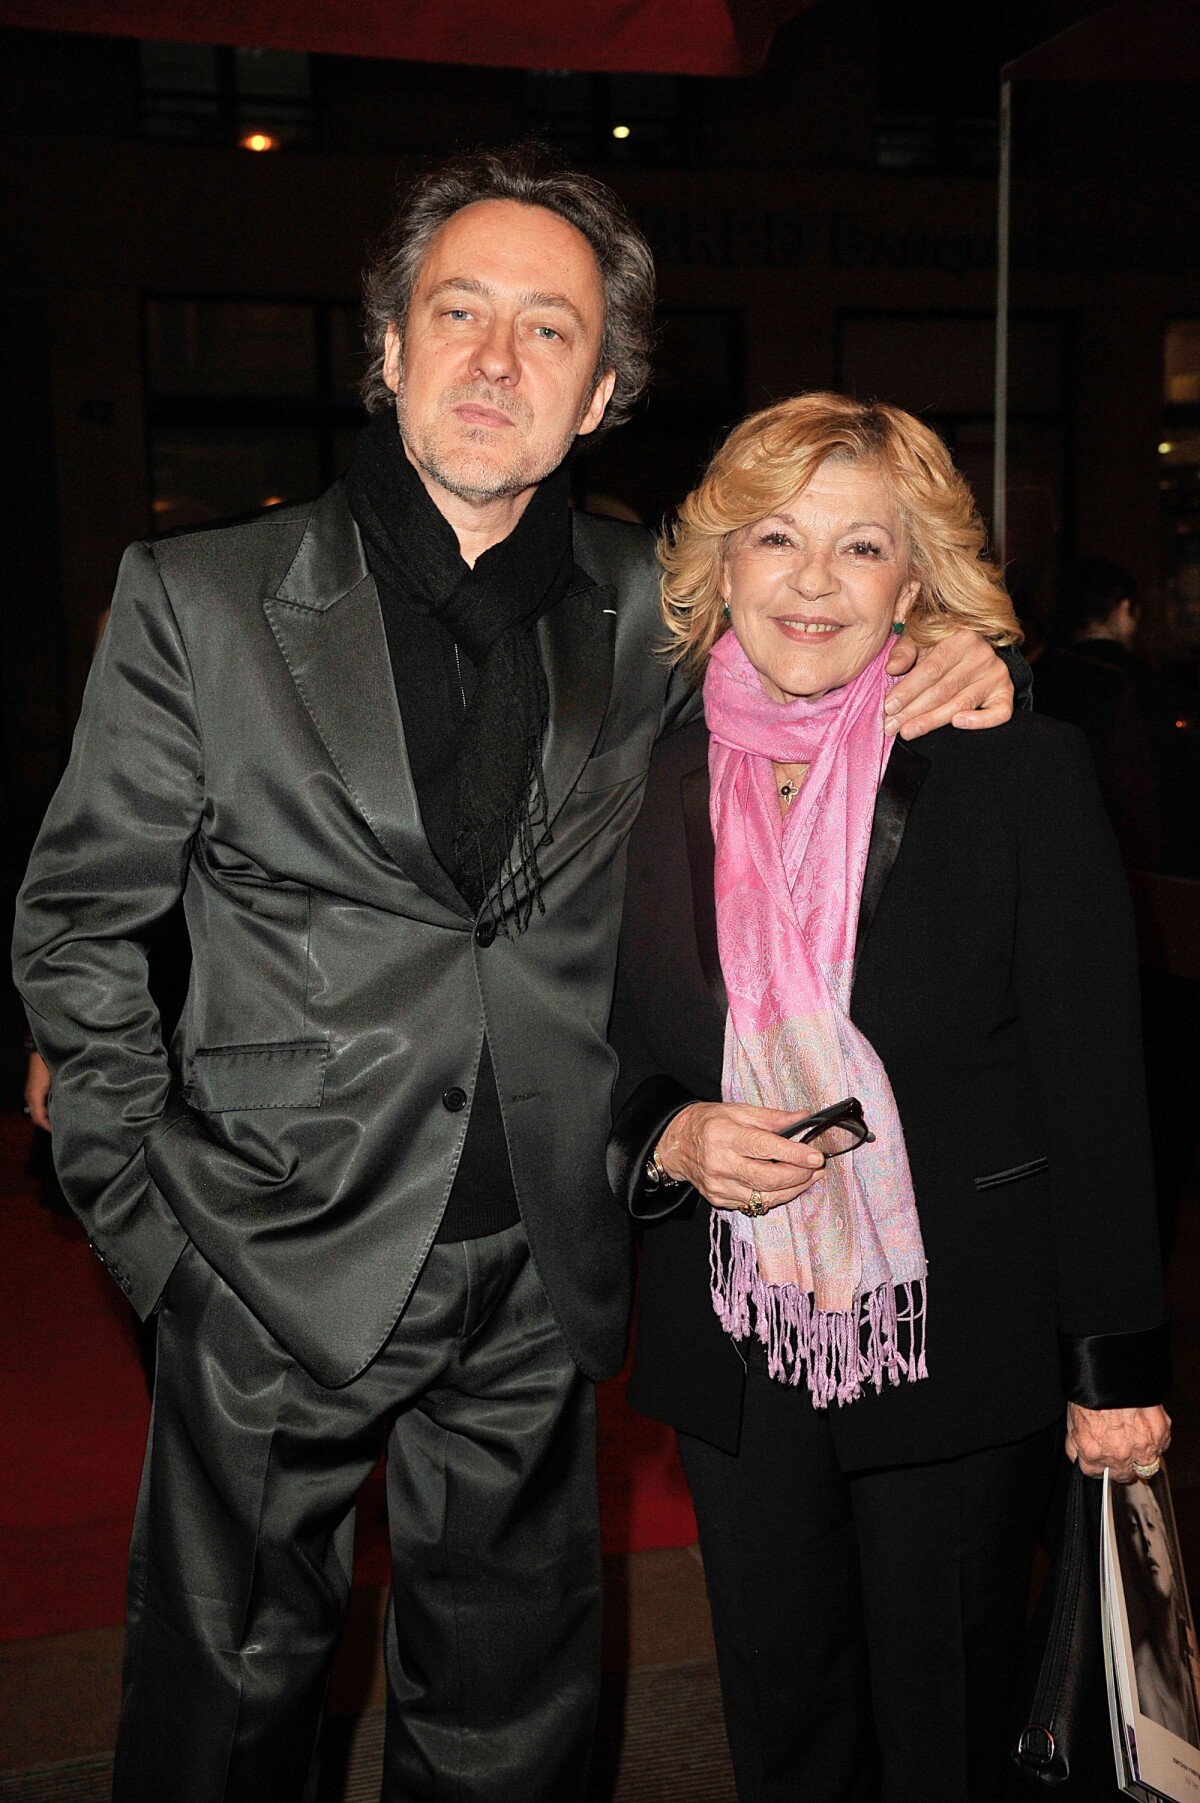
(240,1566)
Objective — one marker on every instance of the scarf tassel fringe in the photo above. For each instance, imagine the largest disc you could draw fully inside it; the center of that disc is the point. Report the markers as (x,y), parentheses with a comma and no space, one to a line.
(835,1352)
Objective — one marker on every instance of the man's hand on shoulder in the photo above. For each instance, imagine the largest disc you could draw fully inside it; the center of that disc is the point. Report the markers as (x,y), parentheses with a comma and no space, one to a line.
(960,681)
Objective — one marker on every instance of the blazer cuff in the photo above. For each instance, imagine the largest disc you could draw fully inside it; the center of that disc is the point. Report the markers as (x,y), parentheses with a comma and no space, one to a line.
(639,1126)
(1117,1370)
(141,1257)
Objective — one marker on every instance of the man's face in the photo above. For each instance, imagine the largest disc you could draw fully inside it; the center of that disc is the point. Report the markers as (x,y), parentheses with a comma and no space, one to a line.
(494,377)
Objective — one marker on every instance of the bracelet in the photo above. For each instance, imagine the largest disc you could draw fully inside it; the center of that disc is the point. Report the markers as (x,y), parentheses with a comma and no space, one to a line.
(655,1177)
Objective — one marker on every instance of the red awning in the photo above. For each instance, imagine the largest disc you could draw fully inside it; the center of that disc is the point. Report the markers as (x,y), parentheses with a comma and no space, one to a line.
(684,37)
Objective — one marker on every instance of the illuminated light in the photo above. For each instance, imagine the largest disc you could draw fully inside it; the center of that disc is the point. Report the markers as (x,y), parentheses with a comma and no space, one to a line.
(259,140)
(274,500)
(620,131)
(1165,449)
(1182,725)
(160,505)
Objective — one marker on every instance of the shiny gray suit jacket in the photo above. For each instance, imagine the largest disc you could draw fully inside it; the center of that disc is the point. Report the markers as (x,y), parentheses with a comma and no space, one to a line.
(241,744)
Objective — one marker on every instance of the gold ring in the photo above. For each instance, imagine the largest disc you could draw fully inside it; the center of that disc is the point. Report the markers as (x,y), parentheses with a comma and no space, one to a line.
(1150,1470)
(755,1206)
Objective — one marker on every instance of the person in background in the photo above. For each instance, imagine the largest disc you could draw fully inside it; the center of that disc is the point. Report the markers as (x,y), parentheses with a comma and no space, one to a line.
(1097,681)
(1149,773)
(867,1345)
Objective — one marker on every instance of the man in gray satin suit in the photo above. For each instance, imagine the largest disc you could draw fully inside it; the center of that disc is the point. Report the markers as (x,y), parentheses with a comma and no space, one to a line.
(388,747)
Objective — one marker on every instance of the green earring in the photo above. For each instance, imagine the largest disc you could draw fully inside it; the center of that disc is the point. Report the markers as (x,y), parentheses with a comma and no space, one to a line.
(897,627)
(725,609)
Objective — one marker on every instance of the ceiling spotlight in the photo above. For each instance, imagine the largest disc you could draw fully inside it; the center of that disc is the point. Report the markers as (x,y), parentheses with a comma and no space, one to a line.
(620,131)
(1165,449)
(259,140)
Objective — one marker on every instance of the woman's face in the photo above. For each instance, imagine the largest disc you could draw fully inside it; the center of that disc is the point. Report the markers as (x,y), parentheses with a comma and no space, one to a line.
(814,589)
(1148,1533)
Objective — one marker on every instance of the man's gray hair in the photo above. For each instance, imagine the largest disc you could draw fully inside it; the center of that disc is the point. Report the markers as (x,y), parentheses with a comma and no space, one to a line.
(524,173)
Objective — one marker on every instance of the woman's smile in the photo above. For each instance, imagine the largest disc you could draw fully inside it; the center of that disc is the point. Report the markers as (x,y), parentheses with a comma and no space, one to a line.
(809,629)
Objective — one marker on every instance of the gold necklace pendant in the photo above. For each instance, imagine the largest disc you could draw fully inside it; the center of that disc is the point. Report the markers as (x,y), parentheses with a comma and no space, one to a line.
(788,792)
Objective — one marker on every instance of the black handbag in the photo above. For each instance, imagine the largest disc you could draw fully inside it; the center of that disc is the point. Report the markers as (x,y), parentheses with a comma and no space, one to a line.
(1064,1720)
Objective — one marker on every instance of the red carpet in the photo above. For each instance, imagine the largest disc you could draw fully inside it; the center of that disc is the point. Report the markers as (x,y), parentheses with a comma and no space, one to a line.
(73,1414)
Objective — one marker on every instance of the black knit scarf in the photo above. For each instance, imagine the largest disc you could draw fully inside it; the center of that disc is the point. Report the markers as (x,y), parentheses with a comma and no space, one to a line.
(499,788)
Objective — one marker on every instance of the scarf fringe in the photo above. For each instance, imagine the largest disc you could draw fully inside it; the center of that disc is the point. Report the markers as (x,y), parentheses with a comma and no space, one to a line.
(834,1351)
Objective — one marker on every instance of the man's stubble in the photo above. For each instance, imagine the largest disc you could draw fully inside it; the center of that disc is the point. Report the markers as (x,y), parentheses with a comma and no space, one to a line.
(478,481)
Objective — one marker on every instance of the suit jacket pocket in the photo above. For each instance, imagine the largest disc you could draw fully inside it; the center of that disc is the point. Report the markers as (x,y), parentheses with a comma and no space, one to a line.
(287,1074)
(1016,1173)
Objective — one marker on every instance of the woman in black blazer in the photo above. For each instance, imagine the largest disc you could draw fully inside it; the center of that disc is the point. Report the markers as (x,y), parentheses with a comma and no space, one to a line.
(868,1565)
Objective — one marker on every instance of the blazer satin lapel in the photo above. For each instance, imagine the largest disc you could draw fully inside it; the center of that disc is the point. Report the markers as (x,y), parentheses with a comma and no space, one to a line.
(576,639)
(906,771)
(694,787)
(326,619)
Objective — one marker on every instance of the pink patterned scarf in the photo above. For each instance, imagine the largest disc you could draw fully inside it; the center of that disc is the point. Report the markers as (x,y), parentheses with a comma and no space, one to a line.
(823,1271)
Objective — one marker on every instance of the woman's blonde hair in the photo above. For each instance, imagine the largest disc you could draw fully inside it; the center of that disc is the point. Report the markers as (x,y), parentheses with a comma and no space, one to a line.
(774,454)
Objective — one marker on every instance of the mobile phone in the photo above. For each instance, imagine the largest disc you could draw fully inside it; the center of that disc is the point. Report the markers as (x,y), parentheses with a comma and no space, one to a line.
(847,1115)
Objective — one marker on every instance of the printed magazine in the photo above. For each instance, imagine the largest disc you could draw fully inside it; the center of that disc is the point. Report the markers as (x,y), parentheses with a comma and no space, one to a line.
(1150,1651)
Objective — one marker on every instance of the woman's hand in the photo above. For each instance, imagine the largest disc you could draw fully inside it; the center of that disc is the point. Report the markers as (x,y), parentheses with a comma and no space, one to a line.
(731,1151)
(959,681)
(1116,1438)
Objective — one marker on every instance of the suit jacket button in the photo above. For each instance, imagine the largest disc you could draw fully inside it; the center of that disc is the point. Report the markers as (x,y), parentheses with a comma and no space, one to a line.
(454,1101)
(485,932)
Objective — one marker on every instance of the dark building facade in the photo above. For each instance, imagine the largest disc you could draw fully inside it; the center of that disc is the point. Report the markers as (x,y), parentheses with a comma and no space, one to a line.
(180,310)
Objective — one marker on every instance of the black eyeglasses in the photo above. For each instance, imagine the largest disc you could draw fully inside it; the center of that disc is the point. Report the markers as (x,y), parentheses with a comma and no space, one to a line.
(833,1130)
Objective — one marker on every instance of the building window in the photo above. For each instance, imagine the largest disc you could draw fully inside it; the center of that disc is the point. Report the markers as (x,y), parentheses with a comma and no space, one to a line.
(181,91)
(697,394)
(634,119)
(1181,364)
(1179,475)
(250,403)
(936,142)
(938,83)
(699,367)
(261,99)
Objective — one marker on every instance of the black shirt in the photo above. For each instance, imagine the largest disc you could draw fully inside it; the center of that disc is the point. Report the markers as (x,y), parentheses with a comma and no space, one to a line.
(434,681)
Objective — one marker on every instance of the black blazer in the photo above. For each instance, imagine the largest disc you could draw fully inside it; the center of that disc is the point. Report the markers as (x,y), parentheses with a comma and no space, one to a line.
(996,977)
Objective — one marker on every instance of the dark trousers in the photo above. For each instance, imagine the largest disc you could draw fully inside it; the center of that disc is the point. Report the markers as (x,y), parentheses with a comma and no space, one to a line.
(868,1625)
(241,1559)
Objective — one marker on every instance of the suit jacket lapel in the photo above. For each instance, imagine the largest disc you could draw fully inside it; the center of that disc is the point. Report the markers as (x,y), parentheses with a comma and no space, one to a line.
(694,788)
(906,771)
(576,641)
(325,616)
